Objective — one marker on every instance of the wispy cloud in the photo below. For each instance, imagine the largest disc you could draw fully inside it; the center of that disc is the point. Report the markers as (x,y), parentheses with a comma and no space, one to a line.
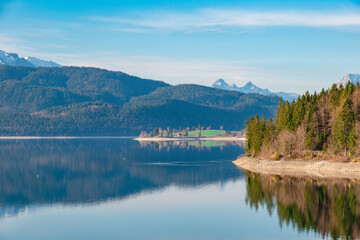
(132,30)
(7,38)
(185,71)
(55,46)
(44,32)
(277,18)
(171,70)
(218,19)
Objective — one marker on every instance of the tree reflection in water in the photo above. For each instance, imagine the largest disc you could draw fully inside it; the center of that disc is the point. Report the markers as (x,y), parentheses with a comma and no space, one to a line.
(329,207)
(90,171)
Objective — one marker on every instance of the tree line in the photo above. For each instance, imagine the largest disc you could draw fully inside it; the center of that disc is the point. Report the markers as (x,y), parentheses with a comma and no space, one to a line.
(182,132)
(315,125)
(91,101)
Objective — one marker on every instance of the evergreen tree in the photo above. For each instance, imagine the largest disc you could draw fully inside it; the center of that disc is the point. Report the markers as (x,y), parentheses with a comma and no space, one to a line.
(298,113)
(308,123)
(249,135)
(269,132)
(254,135)
(334,96)
(351,142)
(284,117)
(343,126)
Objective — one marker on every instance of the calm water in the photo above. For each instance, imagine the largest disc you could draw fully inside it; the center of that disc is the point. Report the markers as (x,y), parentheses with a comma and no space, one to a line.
(120,189)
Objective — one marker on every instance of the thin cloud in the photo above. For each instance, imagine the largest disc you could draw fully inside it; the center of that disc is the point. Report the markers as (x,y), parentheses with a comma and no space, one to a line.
(181,71)
(292,18)
(219,19)
(132,30)
(7,38)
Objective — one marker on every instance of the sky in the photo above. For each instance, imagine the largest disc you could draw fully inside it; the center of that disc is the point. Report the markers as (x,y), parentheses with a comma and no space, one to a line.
(291,45)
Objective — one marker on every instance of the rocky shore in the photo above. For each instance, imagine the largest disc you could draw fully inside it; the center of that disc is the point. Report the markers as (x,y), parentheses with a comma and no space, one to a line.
(301,168)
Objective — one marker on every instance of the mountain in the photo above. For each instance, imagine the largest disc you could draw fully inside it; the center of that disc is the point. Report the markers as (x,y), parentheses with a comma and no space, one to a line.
(36,62)
(91,101)
(246,104)
(221,84)
(12,59)
(21,86)
(251,88)
(354,78)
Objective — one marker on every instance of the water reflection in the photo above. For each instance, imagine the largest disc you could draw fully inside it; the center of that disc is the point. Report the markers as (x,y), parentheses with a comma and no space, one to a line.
(330,208)
(188,144)
(81,171)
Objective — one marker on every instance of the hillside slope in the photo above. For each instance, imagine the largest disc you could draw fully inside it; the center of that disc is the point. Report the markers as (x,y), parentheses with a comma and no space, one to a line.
(106,119)
(92,84)
(91,101)
(247,104)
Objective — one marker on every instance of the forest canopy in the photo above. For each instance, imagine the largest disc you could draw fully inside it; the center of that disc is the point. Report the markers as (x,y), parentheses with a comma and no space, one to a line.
(92,101)
(315,125)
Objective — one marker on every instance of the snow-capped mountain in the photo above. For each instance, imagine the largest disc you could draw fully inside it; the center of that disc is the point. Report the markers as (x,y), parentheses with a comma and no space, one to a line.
(12,59)
(41,63)
(251,88)
(221,84)
(354,78)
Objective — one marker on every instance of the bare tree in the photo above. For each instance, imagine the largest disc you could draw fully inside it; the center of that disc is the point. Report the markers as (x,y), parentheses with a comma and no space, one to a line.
(287,143)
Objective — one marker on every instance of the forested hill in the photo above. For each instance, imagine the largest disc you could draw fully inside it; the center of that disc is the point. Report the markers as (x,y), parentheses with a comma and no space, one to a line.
(216,98)
(91,101)
(61,86)
(321,125)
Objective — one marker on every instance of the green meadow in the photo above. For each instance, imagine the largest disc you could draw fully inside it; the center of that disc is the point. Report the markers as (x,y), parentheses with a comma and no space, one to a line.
(206,133)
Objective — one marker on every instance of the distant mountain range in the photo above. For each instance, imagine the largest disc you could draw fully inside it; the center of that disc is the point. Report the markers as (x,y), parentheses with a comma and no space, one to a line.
(43,98)
(13,59)
(251,88)
(91,101)
(354,78)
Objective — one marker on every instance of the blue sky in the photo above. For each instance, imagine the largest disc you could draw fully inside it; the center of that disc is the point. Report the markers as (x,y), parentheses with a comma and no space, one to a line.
(281,45)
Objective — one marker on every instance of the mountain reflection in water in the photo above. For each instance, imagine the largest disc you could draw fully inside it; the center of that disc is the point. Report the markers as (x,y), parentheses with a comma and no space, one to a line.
(81,171)
(330,208)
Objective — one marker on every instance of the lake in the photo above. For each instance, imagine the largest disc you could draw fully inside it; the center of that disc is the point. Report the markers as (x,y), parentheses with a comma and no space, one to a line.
(121,189)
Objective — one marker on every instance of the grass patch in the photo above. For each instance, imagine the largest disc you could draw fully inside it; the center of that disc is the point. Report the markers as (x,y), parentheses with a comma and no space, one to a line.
(206,144)
(207,133)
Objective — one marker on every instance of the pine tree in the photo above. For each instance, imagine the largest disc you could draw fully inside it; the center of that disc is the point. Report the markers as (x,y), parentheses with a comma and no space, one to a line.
(249,136)
(254,135)
(257,136)
(298,113)
(284,117)
(311,129)
(334,96)
(343,126)
(351,142)
(348,90)
(269,132)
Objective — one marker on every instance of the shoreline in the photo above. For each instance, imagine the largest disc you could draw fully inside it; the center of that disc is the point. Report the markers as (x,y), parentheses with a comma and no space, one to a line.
(300,168)
(63,137)
(232,139)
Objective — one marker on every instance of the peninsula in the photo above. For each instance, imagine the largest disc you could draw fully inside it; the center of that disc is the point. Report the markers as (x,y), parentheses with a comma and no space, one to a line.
(315,135)
(196,134)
